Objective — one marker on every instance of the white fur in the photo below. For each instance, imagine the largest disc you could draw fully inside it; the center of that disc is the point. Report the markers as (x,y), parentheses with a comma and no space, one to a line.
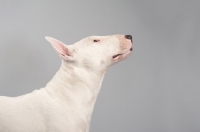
(67,101)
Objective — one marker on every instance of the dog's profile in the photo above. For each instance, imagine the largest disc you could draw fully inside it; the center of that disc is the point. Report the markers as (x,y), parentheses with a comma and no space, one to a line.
(66,103)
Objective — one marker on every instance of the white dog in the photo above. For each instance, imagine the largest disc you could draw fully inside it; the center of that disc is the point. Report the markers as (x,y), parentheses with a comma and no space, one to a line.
(67,101)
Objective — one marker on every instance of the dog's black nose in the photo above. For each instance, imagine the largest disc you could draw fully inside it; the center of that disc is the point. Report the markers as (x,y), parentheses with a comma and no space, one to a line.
(128,37)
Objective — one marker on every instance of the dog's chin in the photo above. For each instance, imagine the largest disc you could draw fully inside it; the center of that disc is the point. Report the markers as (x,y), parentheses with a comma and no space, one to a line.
(122,56)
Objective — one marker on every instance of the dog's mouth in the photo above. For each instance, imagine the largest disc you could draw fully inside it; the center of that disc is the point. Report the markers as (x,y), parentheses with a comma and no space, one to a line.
(118,55)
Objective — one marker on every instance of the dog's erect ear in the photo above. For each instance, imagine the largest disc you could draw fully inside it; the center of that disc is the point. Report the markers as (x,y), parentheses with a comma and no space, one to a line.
(61,48)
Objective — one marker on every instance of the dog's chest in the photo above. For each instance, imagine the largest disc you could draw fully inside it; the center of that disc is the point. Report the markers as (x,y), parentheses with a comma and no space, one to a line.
(70,116)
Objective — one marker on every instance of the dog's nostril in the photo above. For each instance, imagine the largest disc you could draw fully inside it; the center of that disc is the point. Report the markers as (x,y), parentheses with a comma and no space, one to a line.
(128,37)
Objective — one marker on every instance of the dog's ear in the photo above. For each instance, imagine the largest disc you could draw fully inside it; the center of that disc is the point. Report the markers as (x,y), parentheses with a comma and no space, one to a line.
(61,48)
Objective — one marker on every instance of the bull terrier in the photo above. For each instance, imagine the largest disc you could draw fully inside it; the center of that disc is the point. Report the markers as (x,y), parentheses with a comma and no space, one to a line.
(66,103)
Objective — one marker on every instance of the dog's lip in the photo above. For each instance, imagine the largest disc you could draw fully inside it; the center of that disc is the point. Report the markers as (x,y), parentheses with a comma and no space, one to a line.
(114,56)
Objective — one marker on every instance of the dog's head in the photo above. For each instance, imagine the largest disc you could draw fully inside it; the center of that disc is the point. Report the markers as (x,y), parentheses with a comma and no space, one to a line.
(94,51)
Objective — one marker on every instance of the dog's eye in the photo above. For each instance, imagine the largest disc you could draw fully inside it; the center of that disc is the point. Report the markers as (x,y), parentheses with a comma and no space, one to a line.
(96,40)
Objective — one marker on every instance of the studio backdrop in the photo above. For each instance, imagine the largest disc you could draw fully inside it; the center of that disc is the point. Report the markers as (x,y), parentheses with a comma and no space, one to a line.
(157,89)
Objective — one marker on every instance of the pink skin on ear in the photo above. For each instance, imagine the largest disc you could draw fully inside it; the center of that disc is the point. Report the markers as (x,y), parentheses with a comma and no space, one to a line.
(58,46)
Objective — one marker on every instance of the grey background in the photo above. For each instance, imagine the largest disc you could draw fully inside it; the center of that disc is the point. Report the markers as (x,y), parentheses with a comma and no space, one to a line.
(157,89)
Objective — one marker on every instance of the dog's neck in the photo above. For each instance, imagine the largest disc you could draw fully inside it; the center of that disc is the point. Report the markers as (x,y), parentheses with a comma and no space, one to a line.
(75,78)
(79,86)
